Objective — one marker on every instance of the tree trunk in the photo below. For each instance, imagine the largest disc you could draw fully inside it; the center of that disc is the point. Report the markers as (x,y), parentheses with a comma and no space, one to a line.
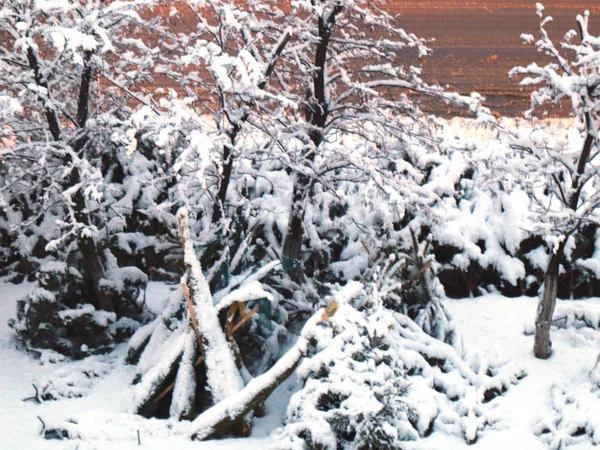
(50,113)
(93,272)
(224,180)
(543,322)
(316,115)
(292,246)
(83,103)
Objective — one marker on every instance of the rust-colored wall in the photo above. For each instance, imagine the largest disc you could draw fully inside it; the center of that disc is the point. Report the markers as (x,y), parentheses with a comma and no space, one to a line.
(478,42)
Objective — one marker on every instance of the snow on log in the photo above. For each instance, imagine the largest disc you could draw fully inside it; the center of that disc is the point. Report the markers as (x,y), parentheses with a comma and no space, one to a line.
(225,414)
(223,376)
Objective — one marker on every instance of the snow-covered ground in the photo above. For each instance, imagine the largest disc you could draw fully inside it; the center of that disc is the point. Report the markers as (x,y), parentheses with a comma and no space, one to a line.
(493,325)
(102,406)
(555,396)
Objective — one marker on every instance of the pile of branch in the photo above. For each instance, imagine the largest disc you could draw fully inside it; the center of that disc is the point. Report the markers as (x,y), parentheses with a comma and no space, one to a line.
(188,363)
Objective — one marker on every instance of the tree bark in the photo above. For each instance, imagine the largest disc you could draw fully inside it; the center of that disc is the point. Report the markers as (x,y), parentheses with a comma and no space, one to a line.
(93,272)
(292,246)
(50,113)
(224,179)
(83,101)
(317,115)
(542,347)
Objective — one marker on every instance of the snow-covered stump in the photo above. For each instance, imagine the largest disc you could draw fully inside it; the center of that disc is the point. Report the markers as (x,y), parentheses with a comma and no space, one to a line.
(374,378)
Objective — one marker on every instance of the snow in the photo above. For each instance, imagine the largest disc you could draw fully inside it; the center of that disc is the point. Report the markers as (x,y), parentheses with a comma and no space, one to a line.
(558,395)
(493,325)
(99,417)
(102,318)
(250,291)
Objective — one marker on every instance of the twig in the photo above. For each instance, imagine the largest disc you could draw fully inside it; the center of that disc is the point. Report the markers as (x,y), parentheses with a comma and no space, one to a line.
(419,272)
(364,245)
(43,425)
(244,319)
(35,397)
(559,319)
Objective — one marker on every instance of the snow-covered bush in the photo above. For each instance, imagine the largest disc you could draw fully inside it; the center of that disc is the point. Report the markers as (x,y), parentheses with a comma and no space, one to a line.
(56,315)
(75,378)
(65,189)
(374,378)
(485,236)
(353,387)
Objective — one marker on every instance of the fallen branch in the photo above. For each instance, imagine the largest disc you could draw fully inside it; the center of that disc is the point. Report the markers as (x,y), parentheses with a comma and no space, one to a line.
(170,387)
(244,319)
(559,319)
(200,359)
(190,307)
(223,377)
(227,413)
(43,425)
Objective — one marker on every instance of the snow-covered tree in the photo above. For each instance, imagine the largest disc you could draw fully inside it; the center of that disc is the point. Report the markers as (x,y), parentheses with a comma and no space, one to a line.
(561,178)
(221,67)
(344,81)
(373,379)
(66,77)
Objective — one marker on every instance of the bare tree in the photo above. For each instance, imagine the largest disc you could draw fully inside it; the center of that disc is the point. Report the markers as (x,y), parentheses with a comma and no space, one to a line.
(344,71)
(66,64)
(562,181)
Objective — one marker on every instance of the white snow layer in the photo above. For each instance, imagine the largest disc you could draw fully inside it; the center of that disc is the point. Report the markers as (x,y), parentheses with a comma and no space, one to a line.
(555,406)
